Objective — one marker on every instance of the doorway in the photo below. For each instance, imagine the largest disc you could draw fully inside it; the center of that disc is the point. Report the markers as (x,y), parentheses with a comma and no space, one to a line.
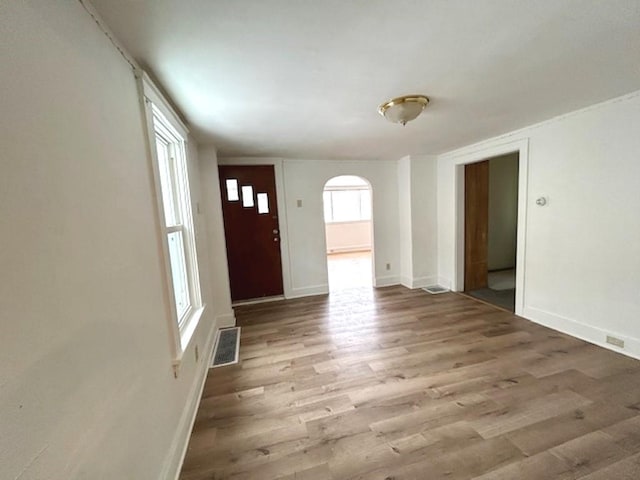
(252,232)
(491,233)
(349,232)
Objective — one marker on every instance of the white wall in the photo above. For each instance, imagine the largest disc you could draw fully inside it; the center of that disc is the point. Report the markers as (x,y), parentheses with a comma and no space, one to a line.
(424,220)
(503,211)
(86,381)
(582,250)
(303,240)
(418,220)
(211,210)
(304,180)
(348,236)
(404,220)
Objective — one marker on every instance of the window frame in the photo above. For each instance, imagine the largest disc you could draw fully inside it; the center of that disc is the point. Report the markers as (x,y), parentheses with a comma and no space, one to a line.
(359,189)
(164,125)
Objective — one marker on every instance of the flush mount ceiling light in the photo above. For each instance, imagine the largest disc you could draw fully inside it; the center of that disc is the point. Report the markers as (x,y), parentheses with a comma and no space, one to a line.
(403,109)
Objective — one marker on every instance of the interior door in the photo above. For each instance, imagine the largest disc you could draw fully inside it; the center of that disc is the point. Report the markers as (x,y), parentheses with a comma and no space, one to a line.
(251,230)
(476,225)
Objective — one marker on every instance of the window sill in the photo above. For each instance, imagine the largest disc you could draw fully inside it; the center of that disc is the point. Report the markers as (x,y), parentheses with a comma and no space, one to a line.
(186,334)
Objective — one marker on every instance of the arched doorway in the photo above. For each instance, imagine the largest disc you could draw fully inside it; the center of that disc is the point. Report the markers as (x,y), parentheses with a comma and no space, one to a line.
(349,232)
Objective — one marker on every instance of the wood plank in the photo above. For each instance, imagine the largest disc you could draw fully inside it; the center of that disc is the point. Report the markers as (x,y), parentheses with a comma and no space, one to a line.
(627,469)
(396,383)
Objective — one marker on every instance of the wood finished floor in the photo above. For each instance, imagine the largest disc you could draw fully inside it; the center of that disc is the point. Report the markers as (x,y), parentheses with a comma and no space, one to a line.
(396,384)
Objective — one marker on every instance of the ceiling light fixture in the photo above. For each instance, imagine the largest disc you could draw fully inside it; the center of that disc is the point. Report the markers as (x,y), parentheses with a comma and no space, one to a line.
(403,109)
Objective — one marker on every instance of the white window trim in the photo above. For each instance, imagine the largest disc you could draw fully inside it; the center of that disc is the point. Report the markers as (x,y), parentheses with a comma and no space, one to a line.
(181,331)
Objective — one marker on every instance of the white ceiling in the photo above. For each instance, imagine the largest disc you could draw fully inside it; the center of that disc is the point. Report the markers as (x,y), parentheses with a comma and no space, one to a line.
(304,78)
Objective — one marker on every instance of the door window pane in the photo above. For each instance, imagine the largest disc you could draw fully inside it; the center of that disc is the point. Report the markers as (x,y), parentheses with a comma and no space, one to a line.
(232,190)
(263,203)
(247,196)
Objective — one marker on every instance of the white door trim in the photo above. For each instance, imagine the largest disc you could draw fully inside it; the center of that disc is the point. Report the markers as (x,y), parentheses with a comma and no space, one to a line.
(478,155)
(282,211)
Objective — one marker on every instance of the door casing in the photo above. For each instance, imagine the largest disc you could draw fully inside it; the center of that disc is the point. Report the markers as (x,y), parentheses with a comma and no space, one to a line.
(477,154)
(277,164)
(253,240)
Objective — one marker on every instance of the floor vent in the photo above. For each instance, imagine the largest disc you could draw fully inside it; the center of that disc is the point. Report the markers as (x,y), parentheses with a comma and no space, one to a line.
(435,289)
(227,347)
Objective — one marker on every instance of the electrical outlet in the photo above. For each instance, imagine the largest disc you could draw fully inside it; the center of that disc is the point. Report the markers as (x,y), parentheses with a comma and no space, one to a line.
(299,203)
(615,341)
(388,266)
(197,354)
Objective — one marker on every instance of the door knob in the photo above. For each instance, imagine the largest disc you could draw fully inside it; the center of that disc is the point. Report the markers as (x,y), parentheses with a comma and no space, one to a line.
(275,231)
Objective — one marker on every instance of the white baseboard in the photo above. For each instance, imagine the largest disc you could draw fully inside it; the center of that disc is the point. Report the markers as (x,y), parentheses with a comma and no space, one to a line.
(178,450)
(418,282)
(588,333)
(444,282)
(421,282)
(308,291)
(387,281)
(406,281)
(226,320)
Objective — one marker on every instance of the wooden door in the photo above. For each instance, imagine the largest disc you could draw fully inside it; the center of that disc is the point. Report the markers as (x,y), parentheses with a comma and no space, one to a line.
(251,230)
(476,225)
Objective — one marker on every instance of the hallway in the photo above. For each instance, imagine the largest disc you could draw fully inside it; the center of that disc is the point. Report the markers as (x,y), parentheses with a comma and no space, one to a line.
(349,270)
(501,290)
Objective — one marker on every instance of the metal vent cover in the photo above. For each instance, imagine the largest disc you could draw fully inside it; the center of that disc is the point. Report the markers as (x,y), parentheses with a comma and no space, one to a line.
(435,289)
(227,347)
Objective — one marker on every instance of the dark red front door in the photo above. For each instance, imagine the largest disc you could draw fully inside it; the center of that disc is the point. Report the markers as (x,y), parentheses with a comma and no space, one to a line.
(251,230)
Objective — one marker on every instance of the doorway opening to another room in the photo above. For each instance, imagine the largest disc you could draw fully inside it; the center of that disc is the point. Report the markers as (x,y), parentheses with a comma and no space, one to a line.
(491,233)
(349,232)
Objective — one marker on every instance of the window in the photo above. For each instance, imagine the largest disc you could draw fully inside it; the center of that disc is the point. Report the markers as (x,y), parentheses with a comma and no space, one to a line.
(346,199)
(263,203)
(178,224)
(247,196)
(232,190)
